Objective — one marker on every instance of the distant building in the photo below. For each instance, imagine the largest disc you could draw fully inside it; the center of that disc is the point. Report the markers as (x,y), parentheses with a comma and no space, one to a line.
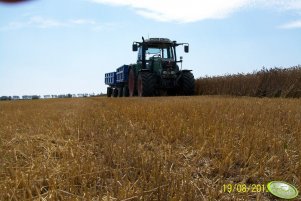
(26,97)
(54,96)
(16,98)
(47,96)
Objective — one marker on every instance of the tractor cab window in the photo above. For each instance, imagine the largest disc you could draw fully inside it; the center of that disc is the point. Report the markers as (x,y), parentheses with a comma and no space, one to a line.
(164,53)
(152,52)
(139,54)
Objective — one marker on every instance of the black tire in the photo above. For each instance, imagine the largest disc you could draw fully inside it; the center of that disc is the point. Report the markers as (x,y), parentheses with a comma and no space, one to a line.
(187,84)
(146,84)
(172,92)
(115,92)
(120,92)
(125,91)
(109,91)
(131,82)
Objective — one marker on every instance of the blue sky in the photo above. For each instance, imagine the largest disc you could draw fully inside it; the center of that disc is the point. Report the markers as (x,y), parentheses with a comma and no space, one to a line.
(66,46)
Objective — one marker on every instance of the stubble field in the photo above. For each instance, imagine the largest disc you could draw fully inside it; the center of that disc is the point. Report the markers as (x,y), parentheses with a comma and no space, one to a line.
(161,148)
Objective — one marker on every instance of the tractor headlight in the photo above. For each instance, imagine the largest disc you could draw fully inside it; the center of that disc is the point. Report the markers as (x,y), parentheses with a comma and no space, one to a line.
(172,72)
(164,72)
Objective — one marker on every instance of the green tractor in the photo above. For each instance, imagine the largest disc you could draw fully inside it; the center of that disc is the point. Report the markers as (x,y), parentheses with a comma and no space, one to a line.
(156,72)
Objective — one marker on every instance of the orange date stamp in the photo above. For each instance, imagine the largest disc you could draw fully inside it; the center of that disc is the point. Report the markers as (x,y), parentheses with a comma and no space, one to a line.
(244,188)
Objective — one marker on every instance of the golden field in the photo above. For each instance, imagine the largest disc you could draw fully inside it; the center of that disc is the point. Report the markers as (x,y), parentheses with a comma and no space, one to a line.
(161,148)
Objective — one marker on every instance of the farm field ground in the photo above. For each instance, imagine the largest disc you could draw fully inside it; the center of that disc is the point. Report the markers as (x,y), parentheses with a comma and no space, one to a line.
(161,148)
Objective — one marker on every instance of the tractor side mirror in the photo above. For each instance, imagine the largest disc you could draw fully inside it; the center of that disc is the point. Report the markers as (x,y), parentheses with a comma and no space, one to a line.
(135,47)
(186,48)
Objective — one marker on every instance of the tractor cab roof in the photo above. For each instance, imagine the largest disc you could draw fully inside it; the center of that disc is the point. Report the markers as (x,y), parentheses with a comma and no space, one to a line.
(158,43)
(157,40)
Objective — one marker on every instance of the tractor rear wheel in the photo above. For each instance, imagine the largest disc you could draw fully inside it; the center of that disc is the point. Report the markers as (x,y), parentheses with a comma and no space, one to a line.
(146,84)
(131,82)
(187,84)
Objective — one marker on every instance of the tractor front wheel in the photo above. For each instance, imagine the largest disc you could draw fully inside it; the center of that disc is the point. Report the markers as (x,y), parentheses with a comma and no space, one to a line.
(146,84)
(187,84)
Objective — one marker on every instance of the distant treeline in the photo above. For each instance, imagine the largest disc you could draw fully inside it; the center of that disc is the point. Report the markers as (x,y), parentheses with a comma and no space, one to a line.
(274,82)
(33,97)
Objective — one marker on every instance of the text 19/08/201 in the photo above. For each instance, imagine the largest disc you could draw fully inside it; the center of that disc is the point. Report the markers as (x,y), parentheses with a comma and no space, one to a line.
(244,188)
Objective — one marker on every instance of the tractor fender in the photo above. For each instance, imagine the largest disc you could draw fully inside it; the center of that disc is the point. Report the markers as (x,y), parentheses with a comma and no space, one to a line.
(144,70)
(185,71)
